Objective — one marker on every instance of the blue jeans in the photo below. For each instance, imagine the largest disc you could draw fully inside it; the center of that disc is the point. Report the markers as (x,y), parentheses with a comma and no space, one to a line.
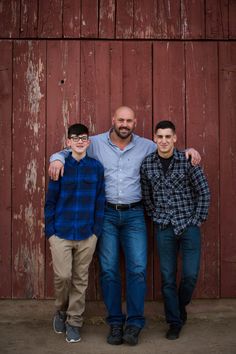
(169,245)
(126,230)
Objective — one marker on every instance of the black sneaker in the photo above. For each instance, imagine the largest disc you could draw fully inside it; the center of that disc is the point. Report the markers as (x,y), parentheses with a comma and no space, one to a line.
(173,332)
(115,335)
(72,334)
(59,322)
(131,334)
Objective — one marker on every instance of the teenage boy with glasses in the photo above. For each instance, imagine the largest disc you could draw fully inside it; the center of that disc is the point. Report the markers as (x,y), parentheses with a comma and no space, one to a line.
(74,211)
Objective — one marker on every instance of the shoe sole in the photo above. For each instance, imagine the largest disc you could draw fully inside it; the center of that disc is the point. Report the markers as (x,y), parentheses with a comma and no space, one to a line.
(73,340)
(115,343)
(58,332)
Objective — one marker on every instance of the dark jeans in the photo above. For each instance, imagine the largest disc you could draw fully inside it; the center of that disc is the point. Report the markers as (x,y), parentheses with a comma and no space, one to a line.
(169,245)
(125,229)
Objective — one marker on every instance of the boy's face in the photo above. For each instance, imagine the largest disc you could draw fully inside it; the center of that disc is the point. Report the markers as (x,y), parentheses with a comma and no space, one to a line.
(165,140)
(78,143)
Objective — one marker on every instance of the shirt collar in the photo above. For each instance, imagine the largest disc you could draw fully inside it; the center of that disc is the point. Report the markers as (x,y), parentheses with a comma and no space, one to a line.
(131,143)
(75,162)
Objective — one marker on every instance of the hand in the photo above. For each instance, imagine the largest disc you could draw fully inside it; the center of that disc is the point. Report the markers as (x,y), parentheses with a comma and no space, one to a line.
(55,169)
(195,156)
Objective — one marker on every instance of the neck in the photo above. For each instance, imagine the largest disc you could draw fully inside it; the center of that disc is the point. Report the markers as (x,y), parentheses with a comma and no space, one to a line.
(166,155)
(121,143)
(77,156)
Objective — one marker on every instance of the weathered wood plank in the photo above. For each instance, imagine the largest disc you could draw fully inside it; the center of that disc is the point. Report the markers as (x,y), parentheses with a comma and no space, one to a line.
(71,18)
(107,19)
(232,16)
(116,76)
(28,244)
(192,19)
(5,170)
(227,77)
(29,19)
(50,19)
(137,83)
(63,107)
(124,19)
(169,85)
(217,19)
(89,13)
(9,19)
(202,133)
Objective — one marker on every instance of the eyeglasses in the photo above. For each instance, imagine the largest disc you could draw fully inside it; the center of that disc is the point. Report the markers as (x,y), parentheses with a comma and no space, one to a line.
(77,138)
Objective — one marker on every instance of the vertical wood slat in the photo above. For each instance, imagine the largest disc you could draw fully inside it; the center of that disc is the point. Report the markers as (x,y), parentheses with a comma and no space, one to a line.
(232,22)
(5,170)
(50,19)
(71,18)
(137,83)
(107,19)
(227,70)
(168,103)
(28,244)
(63,107)
(9,19)
(202,132)
(217,19)
(169,85)
(192,19)
(89,17)
(124,19)
(29,19)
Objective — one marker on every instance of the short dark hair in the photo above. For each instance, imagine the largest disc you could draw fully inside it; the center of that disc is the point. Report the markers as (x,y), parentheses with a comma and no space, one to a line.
(77,129)
(165,124)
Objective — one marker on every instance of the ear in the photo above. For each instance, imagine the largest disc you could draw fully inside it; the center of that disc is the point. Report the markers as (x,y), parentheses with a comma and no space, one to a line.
(175,138)
(155,138)
(68,142)
(112,120)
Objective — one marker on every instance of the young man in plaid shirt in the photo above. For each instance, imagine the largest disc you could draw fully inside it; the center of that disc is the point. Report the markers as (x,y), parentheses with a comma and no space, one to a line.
(74,211)
(176,196)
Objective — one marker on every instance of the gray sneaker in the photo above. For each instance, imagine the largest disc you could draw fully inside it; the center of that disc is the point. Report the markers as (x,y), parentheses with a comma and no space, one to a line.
(72,334)
(59,319)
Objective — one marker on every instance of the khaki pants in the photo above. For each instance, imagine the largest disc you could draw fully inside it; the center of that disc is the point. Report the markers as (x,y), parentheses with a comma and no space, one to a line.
(71,260)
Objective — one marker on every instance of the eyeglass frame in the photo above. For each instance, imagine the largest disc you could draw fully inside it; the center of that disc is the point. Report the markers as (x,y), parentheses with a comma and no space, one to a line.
(77,138)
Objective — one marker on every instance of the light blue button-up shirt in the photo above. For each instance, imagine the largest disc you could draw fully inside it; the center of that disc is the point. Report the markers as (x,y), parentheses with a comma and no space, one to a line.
(122,167)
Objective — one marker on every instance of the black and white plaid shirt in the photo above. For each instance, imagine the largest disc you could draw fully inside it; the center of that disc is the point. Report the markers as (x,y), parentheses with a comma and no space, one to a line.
(181,197)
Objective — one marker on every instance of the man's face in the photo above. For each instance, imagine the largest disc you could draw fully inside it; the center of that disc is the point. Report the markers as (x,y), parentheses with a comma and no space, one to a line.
(165,140)
(124,122)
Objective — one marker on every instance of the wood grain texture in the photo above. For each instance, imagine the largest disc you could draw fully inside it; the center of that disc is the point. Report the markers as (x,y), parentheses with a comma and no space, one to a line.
(227,66)
(5,170)
(28,148)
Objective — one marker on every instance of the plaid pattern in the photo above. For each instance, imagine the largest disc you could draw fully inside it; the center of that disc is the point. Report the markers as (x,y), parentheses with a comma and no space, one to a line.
(74,207)
(181,197)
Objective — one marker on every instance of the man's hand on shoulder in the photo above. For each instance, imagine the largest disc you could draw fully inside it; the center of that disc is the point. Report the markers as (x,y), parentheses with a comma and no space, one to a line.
(56,168)
(195,156)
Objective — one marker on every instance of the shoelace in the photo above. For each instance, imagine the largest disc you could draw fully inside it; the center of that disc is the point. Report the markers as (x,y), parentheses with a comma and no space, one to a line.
(116,331)
(132,330)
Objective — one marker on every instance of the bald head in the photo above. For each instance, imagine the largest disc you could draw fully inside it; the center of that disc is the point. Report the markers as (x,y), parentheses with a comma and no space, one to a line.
(124,111)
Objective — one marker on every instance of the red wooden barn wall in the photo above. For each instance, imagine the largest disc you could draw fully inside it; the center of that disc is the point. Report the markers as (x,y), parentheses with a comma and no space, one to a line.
(63,61)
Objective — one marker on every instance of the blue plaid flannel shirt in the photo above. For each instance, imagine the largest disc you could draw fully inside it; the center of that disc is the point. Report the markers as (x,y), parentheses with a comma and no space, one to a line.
(180,198)
(74,207)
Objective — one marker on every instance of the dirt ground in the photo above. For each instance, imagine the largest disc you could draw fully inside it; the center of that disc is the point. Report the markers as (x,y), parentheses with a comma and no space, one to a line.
(26,328)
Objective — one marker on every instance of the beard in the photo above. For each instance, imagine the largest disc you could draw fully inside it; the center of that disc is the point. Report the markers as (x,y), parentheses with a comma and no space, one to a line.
(122,133)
